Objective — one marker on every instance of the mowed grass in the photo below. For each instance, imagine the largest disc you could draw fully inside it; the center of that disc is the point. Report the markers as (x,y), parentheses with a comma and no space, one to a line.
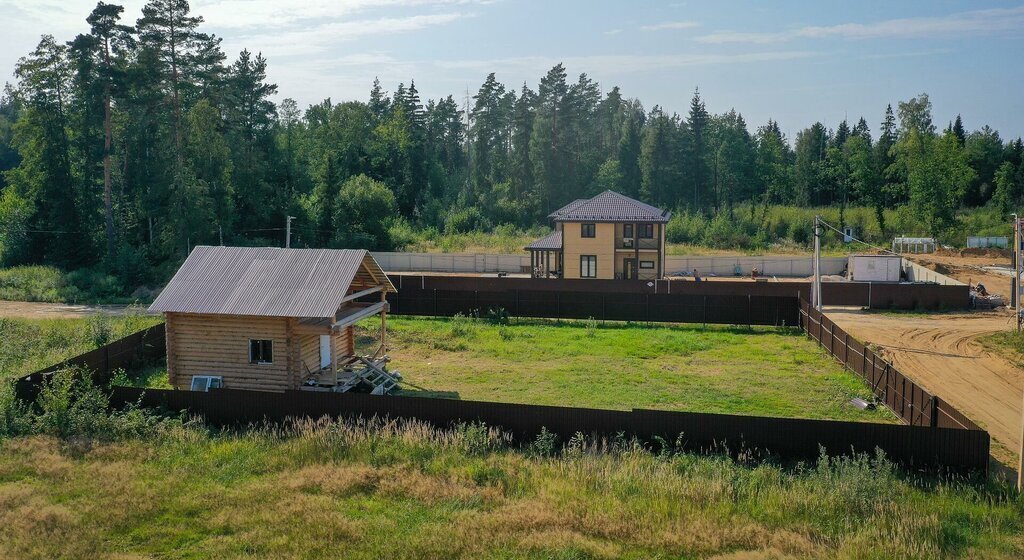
(342,490)
(760,371)
(28,345)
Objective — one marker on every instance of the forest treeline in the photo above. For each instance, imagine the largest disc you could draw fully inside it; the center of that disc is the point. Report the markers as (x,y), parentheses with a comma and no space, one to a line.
(128,144)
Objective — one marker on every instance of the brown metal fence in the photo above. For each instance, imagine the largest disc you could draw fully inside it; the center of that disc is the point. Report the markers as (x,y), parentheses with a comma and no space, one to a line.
(786,438)
(880,295)
(900,394)
(674,308)
(125,353)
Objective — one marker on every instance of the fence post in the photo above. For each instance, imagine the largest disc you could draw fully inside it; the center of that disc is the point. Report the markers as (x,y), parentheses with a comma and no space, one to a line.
(748,311)
(435,302)
(705,311)
(647,297)
(935,412)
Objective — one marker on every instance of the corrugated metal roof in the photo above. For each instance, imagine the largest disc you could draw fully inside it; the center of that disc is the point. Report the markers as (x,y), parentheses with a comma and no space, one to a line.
(610,206)
(265,281)
(552,240)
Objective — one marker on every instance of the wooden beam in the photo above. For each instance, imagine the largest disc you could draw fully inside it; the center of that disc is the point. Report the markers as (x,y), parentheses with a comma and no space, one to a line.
(361,293)
(364,312)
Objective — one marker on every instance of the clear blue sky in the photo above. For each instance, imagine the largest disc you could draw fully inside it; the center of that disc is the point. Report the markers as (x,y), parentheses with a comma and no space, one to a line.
(796,62)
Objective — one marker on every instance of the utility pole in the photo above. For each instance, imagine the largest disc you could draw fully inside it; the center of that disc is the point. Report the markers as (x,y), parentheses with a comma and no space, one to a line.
(1016,267)
(816,287)
(1016,294)
(288,232)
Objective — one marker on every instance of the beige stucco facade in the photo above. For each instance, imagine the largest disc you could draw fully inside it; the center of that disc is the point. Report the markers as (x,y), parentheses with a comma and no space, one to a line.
(614,250)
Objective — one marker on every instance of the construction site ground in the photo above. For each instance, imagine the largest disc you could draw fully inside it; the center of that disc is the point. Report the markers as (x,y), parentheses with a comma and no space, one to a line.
(943,354)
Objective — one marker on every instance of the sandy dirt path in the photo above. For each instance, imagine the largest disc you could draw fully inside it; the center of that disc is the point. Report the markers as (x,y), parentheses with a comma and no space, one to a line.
(38,310)
(941,352)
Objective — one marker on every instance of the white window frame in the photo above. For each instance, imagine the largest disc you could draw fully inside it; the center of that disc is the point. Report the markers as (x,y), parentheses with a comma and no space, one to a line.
(647,264)
(207,382)
(261,362)
(584,270)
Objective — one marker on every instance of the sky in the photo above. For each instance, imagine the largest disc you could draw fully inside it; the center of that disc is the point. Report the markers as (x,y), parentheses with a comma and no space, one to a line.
(796,62)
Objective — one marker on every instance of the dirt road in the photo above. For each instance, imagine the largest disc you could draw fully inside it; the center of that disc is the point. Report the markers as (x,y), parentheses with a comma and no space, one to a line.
(37,310)
(941,352)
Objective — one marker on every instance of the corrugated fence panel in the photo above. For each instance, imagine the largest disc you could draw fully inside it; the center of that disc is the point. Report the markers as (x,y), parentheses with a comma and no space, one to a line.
(789,438)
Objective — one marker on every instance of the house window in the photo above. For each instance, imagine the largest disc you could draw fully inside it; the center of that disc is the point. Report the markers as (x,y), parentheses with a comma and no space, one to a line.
(588,266)
(646,264)
(627,231)
(588,230)
(646,231)
(261,351)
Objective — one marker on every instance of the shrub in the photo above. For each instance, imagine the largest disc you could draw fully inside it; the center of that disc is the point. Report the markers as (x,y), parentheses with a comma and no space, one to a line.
(32,283)
(465,220)
(101,329)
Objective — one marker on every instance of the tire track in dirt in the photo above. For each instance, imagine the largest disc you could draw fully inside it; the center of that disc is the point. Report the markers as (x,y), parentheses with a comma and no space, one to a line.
(942,354)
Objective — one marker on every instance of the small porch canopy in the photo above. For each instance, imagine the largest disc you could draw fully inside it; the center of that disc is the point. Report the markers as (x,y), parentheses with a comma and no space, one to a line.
(546,256)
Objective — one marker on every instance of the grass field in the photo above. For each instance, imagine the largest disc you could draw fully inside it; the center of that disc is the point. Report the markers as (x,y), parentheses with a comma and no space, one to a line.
(27,345)
(408,491)
(763,371)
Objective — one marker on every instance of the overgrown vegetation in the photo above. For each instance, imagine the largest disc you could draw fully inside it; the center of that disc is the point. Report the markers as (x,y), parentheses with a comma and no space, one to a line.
(764,371)
(134,484)
(32,344)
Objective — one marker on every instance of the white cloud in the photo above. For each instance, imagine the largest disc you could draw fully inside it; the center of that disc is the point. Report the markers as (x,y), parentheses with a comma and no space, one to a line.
(670,25)
(959,24)
(535,65)
(233,14)
(314,39)
(613,32)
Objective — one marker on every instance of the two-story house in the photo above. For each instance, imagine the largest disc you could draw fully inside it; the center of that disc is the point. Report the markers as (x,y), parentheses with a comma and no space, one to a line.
(610,236)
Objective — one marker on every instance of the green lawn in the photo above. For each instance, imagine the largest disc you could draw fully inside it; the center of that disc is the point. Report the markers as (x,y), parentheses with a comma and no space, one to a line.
(763,371)
(28,345)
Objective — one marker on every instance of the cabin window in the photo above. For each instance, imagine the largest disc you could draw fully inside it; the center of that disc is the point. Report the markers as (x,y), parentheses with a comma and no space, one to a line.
(206,382)
(646,264)
(627,230)
(646,231)
(261,351)
(588,230)
(588,266)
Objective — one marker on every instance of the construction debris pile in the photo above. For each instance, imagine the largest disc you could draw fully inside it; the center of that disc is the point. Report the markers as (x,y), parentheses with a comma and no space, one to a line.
(981,299)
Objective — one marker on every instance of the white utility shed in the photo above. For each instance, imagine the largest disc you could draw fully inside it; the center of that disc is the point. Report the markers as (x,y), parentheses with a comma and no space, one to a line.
(875,268)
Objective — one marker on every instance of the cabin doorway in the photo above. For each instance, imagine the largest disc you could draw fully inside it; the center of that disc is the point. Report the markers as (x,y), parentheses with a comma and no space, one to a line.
(325,351)
(629,269)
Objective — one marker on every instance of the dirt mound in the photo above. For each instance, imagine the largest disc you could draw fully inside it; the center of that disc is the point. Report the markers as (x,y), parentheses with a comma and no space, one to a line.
(990,252)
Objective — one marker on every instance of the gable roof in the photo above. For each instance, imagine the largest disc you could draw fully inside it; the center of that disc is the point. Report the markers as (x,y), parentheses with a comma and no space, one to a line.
(266,281)
(552,240)
(610,206)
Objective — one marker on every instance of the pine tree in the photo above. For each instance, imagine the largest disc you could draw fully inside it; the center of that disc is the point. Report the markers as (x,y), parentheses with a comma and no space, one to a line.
(697,162)
(108,44)
(168,31)
(958,130)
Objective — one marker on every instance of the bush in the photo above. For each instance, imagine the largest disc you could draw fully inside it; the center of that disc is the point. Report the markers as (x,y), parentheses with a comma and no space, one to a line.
(101,329)
(33,283)
(465,220)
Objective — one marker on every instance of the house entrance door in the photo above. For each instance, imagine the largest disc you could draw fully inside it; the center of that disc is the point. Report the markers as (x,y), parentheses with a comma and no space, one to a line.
(325,351)
(629,269)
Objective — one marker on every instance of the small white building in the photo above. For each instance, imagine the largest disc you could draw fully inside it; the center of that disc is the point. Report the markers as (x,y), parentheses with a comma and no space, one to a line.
(913,245)
(988,242)
(875,268)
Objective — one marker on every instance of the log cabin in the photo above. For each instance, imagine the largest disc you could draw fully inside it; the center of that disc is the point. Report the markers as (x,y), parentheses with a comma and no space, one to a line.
(273,319)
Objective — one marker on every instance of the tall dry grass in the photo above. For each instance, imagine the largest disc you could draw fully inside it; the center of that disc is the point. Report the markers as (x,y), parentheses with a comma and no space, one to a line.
(386,489)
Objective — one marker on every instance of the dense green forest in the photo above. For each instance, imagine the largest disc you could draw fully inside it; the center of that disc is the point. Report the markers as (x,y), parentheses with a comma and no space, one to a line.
(123,147)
